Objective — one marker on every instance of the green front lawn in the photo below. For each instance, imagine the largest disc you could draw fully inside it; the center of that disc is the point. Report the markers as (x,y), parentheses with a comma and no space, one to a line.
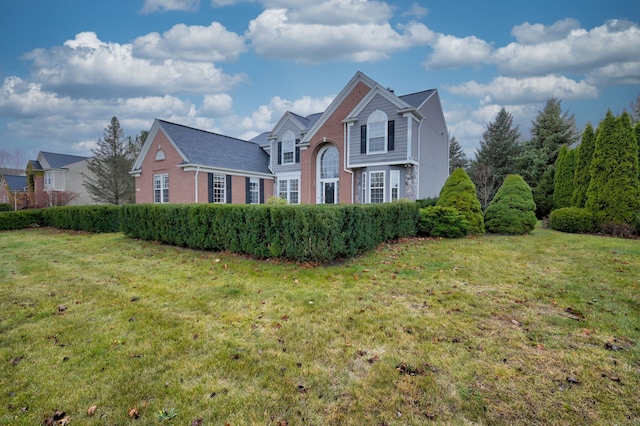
(538,329)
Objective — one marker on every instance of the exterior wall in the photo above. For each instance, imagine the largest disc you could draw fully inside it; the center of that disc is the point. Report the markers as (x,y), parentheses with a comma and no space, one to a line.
(74,179)
(332,131)
(39,197)
(181,183)
(406,188)
(434,150)
(273,149)
(399,154)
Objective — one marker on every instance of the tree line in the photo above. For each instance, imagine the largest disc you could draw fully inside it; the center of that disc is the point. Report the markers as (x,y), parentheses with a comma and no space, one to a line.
(597,169)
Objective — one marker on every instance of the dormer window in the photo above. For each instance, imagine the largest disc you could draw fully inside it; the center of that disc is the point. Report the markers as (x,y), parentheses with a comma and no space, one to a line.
(160,155)
(288,147)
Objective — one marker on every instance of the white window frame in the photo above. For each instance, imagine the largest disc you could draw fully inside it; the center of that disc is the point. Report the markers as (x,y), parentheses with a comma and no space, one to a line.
(377,124)
(161,188)
(364,187)
(254,190)
(289,189)
(288,148)
(394,184)
(219,188)
(374,176)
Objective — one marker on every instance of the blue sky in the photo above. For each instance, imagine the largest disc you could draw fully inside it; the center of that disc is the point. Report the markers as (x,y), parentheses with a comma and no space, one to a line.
(235,66)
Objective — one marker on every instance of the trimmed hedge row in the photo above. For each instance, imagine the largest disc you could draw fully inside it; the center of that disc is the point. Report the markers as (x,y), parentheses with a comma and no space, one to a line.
(102,218)
(20,219)
(305,232)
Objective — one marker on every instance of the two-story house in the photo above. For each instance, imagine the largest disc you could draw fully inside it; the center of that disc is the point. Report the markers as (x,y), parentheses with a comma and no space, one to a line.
(57,179)
(369,146)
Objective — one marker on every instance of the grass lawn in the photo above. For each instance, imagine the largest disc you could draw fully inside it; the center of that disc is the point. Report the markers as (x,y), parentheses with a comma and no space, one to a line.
(539,329)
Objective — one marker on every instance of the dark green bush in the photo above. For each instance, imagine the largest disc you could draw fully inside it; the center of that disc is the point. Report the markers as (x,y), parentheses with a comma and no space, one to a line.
(512,210)
(20,219)
(317,233)
(427,202)
(6,207)
(572,219)
(439,221)
(102,218)
(459,192)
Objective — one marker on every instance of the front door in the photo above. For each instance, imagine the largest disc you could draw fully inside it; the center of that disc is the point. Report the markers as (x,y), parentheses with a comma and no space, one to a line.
(328,175)
(329,195)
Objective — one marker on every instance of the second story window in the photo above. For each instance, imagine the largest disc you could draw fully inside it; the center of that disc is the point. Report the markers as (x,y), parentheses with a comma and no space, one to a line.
(288,148)
(377,129)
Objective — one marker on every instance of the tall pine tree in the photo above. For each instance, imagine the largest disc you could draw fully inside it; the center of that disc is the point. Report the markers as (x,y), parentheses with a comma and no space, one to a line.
(110,181)
(457,157)
(614,192)
(582,175)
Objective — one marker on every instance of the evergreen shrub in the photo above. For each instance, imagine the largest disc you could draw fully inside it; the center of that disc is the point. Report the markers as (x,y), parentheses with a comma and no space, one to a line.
(427,202)
(439,221)
(572,219)
(20,219)
(459,192)
(6,207)
(95,218)
(512,210)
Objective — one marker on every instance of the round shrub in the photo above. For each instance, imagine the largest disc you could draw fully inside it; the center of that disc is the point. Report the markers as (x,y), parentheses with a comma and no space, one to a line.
(572,219)
(439,221)
(459,192)
(512,211)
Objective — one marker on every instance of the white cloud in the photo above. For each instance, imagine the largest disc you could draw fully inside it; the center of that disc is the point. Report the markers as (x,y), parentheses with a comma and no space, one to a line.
(453,52)
(217,105)
(538,33)
(416,10)
(525,90)
(273,34)
(151,6)
(88,67)
(192,43)
(627,73)
(581,51)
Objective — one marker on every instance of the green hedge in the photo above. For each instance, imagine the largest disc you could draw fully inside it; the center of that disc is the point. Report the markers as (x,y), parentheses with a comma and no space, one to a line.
(572,219)
(439,221)
(6,207)
(103,218)
(306,232)
(20,219)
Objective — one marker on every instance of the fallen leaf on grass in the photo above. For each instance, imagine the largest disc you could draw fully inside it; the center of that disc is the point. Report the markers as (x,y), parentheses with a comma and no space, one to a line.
(134,413)
(16,360)
(196,422)
(92,410)
(611,347)
(59,418)
(573,380)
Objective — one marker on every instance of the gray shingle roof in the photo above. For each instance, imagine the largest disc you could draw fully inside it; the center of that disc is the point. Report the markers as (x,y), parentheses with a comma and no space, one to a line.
(217,151)
(16,183)
(59,161)
(416,99)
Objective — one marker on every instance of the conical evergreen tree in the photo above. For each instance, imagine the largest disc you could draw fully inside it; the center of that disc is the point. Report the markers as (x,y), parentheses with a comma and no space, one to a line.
(512,211)
(582,175)
(614,192)
(457,157)
(460,192)
(563,179)
(500,145)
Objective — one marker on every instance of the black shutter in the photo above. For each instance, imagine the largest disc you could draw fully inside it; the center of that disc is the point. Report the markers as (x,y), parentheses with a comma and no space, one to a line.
(391,135)
(261,191)
(279,152)
(297,154)
(210,187)
(248,190)
(363,139)
(228,189)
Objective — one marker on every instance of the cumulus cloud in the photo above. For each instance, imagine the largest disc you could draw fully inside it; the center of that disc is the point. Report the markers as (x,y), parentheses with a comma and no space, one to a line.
(191,43)
(626,73)
(580,51)
(538,33)
(151,6)
(88,67)
(216,105)
(416,10)
(453,52)
(525,90)
(274,34)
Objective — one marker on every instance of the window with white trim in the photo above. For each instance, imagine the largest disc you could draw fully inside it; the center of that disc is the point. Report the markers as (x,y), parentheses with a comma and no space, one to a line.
(364,187)
(160,155)
(288,189)
(394,183)
(161,188)
(219,188)
(377,132)
(288,147)
(376,187)
(254,191)
(48,179)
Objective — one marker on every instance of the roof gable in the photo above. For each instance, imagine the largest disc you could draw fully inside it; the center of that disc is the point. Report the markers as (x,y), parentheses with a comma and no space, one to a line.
(52,160)
(16,183)
(386,94)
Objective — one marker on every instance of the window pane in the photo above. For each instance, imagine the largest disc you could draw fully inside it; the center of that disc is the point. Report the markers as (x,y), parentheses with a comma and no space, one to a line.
(219,184)
(329,166)
(376,194)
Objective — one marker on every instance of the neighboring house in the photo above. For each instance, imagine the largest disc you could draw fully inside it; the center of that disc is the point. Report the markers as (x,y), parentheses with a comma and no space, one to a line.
(180,164)
(14,191)
(57,179)
(369,146)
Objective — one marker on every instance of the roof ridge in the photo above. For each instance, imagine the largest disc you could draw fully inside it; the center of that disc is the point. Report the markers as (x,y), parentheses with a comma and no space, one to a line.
(206,131)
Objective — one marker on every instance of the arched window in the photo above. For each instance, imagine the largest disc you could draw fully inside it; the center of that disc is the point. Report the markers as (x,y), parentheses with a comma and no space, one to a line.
(377,132)
(159,155)
(329,163)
